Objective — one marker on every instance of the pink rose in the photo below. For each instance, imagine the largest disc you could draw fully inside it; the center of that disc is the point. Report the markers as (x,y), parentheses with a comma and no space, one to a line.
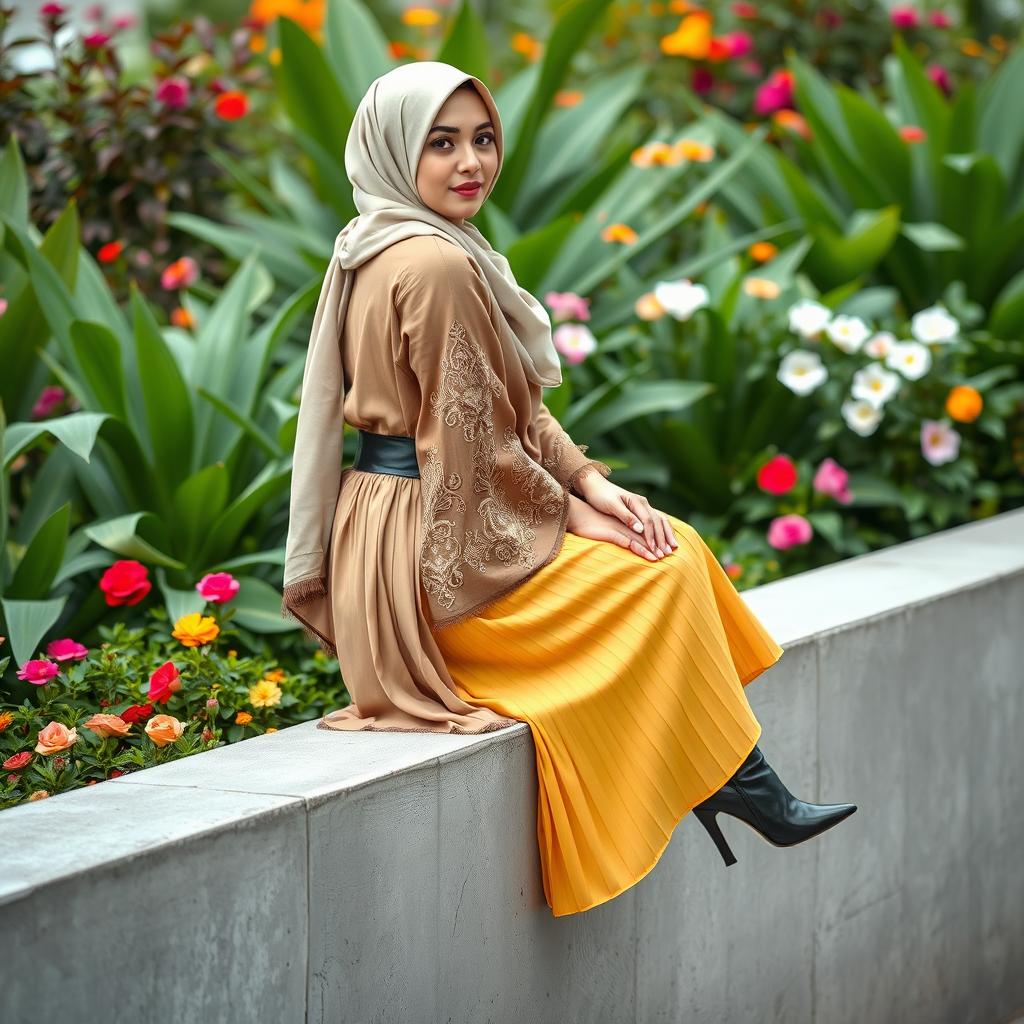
(832,479)
(904,17)
(67,650)
(218,587)
(775,93)
(788,531)
(39,671)
(173,92)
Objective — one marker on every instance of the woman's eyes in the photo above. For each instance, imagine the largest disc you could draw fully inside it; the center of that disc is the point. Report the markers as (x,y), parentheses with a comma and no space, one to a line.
(482,135)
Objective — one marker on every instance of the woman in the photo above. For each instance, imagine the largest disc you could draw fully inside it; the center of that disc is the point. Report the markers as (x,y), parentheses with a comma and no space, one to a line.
(473,568)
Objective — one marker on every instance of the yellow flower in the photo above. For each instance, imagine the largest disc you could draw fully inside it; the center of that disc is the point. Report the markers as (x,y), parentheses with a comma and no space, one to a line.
(420,16)
(619,233)
(692,37)
(195,629)
(762,252)
(264,694)
(269,729)
(258,42)
(243,718)
(691,149)
(275,55)
(761,288)
(964,403)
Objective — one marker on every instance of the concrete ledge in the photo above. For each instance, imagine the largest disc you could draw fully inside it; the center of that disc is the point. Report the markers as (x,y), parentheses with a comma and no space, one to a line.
(319,876)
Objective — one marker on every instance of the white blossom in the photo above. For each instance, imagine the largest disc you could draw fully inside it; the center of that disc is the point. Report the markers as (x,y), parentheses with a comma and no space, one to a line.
(934,325)
(801,371)
(848,332)
(911,358)
(879,345)
(808,318)
(875,384)
(681,299)
(861,416)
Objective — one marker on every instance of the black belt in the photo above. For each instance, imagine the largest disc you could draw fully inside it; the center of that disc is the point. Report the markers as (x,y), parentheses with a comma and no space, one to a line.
(386,453)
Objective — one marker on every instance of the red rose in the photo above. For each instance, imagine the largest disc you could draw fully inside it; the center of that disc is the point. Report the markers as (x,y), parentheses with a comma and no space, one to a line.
(231,105)
(17,761)
(125,582)
(777,476)
(164,682)
(109,252)
(136,713)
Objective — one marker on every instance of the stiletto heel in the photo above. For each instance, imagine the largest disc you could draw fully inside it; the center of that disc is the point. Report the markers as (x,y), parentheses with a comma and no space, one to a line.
(710,822)
(756,796)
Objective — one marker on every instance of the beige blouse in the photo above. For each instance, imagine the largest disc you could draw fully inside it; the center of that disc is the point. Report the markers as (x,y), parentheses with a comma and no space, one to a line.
(423,358)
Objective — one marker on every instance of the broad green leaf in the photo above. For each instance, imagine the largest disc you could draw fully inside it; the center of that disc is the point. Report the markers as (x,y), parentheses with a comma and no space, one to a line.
(42,559)
(257,606)
(197,503)
(121,535)
(356,47)
(467,47)
(837,258)
(77,431)
(932,237)
(28,622)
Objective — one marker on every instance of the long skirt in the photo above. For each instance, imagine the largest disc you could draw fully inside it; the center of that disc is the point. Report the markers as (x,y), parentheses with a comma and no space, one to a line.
(631,675)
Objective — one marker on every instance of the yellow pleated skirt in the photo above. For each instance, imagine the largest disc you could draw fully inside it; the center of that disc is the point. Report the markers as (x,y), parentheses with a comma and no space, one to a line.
(631,675)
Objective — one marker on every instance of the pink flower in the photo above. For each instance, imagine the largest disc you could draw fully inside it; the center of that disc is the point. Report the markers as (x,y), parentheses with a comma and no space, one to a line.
(788,531)
(738,44)
(904,16)
(52,10)
(775,93)
(940,19)
(96,39)
(67,650)
(568,306)
(574,341)
(123,21)
(173,92)
(49,398)
(218,587)
(3,306)
(179,274)
(39,671)
(940,76)
(832,479)
(939,442)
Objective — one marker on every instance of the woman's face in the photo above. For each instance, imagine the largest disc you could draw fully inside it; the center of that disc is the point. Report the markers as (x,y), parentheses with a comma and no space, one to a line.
(460,148)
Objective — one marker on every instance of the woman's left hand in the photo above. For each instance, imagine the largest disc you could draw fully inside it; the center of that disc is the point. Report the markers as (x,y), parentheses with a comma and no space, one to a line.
(631,509)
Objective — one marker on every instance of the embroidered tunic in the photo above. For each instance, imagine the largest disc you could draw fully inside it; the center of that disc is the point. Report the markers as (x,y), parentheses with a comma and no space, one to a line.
(423,358)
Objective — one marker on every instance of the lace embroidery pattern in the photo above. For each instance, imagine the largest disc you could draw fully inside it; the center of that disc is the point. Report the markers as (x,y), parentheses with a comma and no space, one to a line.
(464,400)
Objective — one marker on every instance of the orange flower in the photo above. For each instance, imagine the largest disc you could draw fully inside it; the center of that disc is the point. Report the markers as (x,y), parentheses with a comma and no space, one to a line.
(652,153)
(421,17)
(307,13)
(269,729)
(398,49)
(734,570)
(964,403)
(568,97)
(530,48)
(181,317)
(243,718)
(164,729)
(762,252)
(692,37)
(194,629)
(997,42)
(761,288)
(55,737)
(39,794)
(6,717)
(691,149)
(647,307)
(682,6)
(912,133)
(971,48)
(258,42)
(619,233)
(107,725)
(792,121)
(230,105)
(276,675)
(719,49)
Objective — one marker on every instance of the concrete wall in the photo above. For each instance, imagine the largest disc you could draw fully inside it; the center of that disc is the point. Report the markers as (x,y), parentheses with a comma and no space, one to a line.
(318,876)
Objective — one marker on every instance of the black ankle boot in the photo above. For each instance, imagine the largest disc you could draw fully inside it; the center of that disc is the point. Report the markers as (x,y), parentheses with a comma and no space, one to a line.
(756,795)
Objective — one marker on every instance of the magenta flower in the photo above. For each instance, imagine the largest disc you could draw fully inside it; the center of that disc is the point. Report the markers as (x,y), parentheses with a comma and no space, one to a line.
(832,479)
(739,44)
(568,306)
(775,93)
(940,76)
(39,671)
(3,306)
(67,650)
(52,10)
(904,16)
(218,587)
(701,81)
(96,39)
(940,19)
(123,21)
(788,531)
(173,92)
(49,398)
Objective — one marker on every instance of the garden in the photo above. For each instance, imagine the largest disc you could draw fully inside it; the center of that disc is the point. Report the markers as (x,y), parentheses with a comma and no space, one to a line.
(781,245)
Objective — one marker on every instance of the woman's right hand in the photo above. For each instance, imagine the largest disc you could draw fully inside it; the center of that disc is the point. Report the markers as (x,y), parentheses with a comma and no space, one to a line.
(586,521)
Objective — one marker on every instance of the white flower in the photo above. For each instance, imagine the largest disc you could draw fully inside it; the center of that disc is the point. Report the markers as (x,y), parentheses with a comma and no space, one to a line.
(875,384)
(939,442)
(911,358)
(802,371)
(879,345)
(808,318)
(681,298)
(861,416)
(574,341)
(934,324)
(848,332)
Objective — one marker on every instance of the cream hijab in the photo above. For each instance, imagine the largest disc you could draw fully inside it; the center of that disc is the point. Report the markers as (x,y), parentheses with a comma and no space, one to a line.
(382,153)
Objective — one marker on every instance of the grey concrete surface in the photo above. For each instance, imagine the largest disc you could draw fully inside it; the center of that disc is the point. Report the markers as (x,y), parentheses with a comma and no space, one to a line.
(343,877)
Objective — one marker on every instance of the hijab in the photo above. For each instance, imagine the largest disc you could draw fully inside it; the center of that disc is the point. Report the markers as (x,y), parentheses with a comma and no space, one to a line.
(382,153)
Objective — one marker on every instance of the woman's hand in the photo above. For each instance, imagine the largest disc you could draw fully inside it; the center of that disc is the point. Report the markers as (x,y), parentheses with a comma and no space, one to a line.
(630,509)
(585,521)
